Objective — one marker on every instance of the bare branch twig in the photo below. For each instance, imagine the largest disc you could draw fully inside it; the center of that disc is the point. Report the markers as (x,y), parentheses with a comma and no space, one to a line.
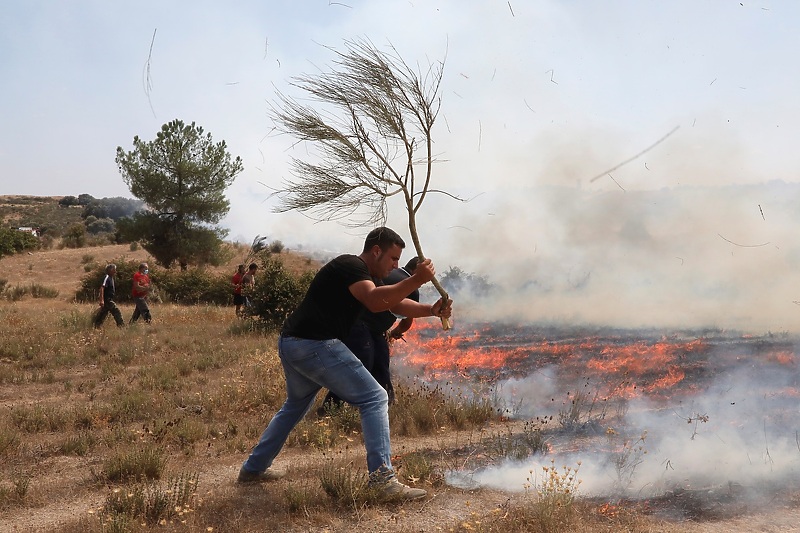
(662,139)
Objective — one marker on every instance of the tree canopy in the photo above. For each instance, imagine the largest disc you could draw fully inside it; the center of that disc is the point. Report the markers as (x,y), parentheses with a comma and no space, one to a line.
(373,141)
(370,125)
(182,176)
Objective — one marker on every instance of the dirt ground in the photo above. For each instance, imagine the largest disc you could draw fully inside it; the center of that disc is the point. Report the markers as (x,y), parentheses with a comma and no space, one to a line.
(440,511)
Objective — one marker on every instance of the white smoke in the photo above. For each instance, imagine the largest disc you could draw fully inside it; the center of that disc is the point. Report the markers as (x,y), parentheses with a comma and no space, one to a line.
(685,257)
(739,428)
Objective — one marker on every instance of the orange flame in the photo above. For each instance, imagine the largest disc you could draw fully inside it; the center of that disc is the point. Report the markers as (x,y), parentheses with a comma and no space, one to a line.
(645,366)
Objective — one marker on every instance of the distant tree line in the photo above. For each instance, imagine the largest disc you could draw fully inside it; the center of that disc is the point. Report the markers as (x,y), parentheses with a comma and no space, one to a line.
(101,214)
(98,220)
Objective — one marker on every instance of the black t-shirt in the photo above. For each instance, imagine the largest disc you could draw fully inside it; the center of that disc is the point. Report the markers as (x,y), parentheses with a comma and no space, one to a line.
(380,322)
(109,290)
(328,310)
(397,275)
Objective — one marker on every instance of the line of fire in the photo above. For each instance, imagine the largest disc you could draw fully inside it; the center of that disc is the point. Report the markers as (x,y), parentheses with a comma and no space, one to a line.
(696,424)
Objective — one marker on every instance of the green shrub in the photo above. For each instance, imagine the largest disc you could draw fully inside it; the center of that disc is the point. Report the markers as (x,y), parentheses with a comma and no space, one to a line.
(276,247)
(193,286)
(75,237)
(13,241)
(40,291)
(187,287)
(90,284)
(277,293)
(47,241)
(100,225)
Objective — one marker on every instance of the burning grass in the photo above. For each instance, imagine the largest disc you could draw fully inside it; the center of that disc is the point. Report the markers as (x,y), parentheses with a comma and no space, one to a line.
(87,413)
(659,417)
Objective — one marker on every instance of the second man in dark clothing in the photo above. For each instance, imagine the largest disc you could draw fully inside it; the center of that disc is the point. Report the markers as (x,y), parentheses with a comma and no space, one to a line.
(108,291)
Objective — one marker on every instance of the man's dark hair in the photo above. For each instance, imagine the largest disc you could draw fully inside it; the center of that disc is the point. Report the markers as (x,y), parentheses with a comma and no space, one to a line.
(384,238)
(252,266)
(411,266)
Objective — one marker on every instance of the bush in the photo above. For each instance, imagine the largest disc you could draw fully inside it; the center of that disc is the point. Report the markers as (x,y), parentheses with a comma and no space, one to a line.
(185,287)
(15,293)
(277,293)
(13,241)
(276,247)
(47,241)
(101,239)
(193,286)
(75,237)
(90,284)
(455,281)
(100,225)
(40,291)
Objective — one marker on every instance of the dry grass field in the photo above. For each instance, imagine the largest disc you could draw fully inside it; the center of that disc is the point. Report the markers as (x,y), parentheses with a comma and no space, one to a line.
(144,429)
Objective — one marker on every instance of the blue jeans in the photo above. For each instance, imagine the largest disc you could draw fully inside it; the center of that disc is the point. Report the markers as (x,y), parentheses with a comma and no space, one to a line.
(372,349)
(308,366)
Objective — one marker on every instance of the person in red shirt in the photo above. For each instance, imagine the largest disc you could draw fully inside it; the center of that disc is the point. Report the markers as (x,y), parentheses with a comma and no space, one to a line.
(140,290)
(238,297)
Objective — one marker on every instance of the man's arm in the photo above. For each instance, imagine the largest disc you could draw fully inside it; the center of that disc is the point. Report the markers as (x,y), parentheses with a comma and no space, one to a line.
(386,297)
(102,290)
(401,327)
(411,309)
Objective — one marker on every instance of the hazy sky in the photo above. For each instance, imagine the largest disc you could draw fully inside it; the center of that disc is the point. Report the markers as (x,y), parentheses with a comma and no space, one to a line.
(535,93)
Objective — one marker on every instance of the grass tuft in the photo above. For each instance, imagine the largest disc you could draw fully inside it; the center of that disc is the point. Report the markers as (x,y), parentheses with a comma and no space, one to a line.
(152,503)
(134,465)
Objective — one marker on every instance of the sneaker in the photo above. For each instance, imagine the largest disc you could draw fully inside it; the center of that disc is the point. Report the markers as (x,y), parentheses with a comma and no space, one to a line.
(393,490)
(270,474)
